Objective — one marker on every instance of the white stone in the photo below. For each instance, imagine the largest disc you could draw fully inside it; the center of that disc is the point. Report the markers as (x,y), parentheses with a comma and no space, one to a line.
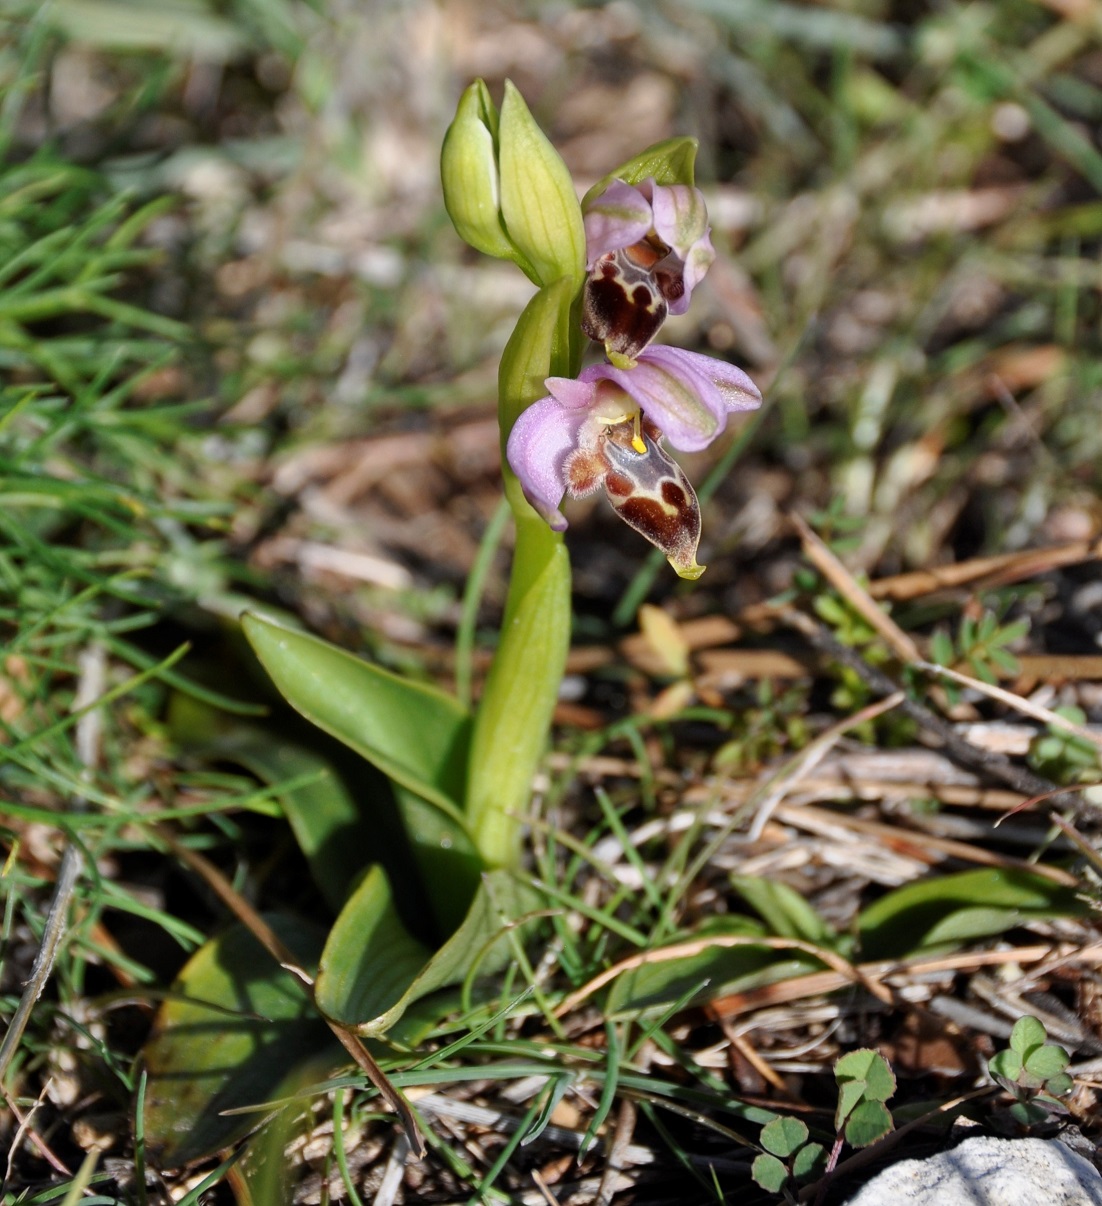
(988,1172)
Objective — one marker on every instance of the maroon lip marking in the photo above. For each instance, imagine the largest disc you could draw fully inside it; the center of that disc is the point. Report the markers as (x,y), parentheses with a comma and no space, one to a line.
(650,493)
(624,303)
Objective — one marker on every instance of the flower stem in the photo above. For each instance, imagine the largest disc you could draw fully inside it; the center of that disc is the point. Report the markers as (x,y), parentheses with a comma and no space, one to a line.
(514,713)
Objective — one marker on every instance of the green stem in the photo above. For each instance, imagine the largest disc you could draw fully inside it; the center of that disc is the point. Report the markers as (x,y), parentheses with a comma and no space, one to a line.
(514,714)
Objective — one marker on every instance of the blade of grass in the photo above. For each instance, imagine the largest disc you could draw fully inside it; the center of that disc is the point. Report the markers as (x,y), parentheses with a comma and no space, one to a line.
(472,597)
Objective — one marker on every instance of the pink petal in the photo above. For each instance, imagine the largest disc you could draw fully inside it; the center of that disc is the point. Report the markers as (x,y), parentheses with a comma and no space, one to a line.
(573,394)
(699,260)
(735,389)
(619,217)
(681,221)
(538,446)
(688,396)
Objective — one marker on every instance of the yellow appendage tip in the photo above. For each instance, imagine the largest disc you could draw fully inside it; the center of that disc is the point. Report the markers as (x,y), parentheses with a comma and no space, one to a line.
(692,572)
(637,438)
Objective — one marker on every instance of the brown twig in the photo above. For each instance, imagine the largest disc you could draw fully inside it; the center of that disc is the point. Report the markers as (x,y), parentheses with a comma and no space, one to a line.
(816,984)
(26,1130)
(614,1163)
(90,688)
(807,816)
(824,560)
(985,571)
(1025,706)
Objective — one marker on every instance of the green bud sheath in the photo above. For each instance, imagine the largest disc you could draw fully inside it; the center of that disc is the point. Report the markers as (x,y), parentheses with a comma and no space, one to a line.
(468,171)
(538,203)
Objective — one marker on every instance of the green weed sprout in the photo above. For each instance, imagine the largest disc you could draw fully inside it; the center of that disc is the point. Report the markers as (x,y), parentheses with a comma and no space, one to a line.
(1033,1071)
(1063,756)
(608,269)
(982,646)
(865,1082)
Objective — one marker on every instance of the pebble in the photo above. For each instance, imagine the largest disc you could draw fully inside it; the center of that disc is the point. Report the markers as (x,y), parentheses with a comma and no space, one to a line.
(985,1171)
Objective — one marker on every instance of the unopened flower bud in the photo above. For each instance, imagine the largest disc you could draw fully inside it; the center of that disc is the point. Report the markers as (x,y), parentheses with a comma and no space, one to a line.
(469,172)
(507,190)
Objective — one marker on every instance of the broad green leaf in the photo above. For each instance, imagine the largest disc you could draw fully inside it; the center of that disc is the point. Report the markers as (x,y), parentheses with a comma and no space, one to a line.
(784,910)
(372,969)
(870,1121)
(710,973)
(343,825)
(946,911)
(449,865)
(232,1034)
(370,958)
(336,837)
(264,1165)
(1028,1034)
(333,834)
(414,733)
(769,1173)
(783,1135)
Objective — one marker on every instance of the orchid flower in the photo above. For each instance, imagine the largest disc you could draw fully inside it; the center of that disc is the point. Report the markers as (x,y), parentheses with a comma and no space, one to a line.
(647,247)
(605,428)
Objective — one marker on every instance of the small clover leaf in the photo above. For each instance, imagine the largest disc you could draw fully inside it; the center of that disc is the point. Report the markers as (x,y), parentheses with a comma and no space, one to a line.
(1028,1034)
(870,1120)
(783,1136)
(865,1082)
(769,1172)
(1033,1071)
(788,1155)
(1047,1061)
(808,1161)
(869,1067)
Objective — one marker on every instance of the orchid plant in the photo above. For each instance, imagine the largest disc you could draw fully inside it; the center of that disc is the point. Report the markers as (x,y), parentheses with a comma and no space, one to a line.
(607,270)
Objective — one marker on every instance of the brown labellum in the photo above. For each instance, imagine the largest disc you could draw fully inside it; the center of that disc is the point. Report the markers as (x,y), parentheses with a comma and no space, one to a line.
(623,306)
(652,495)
